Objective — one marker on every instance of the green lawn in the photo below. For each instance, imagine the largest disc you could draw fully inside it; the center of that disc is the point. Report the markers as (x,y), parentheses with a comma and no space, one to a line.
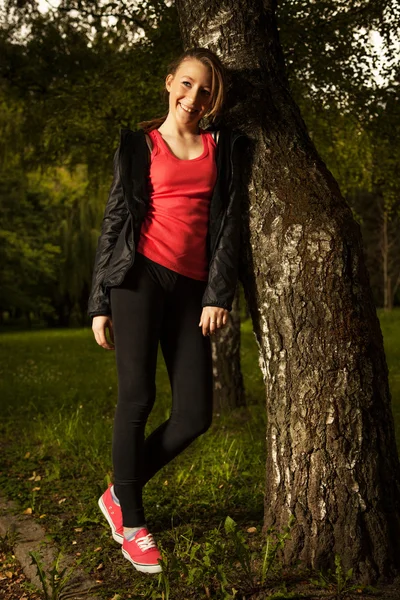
(58,392)
(390,325)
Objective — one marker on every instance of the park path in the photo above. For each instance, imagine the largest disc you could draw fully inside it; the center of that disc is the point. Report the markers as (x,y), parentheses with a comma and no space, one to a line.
(25,535)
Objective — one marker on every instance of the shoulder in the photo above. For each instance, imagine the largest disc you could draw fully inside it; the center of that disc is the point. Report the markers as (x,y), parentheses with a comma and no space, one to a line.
(227,135)
(134,141)
(133,150)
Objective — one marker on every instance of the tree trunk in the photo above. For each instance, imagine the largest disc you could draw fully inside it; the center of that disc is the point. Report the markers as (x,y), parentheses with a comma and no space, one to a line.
(228,380)
(332,460)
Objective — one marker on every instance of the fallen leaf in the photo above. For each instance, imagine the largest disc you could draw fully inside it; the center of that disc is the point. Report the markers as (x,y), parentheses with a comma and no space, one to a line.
(33,476)
(35,489)
(252,530)
(79,529)
(9,574)
(38,478)
(42,516)
(99,567)
(27,455)
(28,511)
(165,482)
(97,549)
(61,500)
(74,542)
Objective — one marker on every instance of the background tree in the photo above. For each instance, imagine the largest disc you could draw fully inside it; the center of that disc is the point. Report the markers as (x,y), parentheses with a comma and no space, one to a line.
(229,389)
(331,454)
(347,89)
(69,77)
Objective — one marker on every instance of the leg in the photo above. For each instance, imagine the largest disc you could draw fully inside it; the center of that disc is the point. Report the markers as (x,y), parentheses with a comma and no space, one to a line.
(187,354)
(137,312)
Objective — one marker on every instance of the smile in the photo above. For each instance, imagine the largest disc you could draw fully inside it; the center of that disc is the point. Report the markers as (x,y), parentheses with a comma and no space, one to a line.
(188,110)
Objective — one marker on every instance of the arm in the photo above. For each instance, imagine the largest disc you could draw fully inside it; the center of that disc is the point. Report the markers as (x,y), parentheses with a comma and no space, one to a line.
(115,215)
(223,274)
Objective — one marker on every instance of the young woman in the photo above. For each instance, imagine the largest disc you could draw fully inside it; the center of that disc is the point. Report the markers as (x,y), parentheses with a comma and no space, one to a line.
(166,271)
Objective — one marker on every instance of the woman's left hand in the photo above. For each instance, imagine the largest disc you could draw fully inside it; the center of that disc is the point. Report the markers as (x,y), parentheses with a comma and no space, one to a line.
(212,319)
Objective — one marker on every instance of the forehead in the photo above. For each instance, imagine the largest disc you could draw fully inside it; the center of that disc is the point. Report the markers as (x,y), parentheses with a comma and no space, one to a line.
(194,69)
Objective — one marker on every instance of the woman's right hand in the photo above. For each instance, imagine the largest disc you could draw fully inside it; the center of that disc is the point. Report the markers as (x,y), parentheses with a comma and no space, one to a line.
(100,325)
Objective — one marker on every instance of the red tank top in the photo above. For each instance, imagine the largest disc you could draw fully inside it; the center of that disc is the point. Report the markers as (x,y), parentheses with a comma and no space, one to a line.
(174,230)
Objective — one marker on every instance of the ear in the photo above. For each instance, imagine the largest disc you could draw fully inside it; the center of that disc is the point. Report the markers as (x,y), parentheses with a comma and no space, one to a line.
(168,81)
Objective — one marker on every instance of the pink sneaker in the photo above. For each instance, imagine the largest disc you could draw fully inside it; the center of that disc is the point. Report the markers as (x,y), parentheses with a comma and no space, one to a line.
(112,513)
(142,552)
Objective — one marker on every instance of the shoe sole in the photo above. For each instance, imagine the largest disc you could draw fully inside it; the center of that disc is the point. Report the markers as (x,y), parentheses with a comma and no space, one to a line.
(141,567)
(117,537)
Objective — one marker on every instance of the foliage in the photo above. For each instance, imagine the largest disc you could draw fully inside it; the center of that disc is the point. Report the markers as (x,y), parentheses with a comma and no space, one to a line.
(340,579)
(77,80)
(329,50)
(53,583)
(71,76)
(67,86)
(348,92)
(222,563)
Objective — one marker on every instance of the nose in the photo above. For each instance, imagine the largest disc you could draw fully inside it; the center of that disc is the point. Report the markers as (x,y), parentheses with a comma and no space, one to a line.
(193,95)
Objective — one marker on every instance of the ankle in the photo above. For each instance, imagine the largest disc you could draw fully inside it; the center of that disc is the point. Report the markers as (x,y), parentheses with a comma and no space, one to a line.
(130,532)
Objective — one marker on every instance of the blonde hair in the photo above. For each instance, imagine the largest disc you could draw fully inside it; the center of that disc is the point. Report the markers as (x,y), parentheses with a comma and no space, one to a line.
(218,84)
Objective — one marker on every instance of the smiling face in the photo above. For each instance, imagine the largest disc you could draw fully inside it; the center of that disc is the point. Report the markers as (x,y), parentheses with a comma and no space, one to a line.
(189,92)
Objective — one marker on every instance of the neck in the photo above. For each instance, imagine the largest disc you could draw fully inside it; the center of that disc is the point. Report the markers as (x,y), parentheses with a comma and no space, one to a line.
(174,129)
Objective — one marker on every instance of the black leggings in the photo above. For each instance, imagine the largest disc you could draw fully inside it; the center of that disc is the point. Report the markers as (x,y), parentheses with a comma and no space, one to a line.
(155,304)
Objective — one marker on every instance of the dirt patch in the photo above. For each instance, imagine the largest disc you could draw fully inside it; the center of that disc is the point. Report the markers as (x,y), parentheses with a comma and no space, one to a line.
(21,534)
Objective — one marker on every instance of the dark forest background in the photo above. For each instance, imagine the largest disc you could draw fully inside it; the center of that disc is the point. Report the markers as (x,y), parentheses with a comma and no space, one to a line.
(71,76)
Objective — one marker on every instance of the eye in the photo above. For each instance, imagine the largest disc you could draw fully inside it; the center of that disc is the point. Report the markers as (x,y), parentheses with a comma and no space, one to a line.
(207,92)
(186,82)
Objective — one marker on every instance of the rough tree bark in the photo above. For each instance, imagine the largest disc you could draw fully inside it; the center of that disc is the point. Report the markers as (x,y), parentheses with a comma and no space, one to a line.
(332,459)
(228,380)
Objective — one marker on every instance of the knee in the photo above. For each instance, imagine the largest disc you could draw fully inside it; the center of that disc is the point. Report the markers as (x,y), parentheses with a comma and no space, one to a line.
(198,424)
(133,406)
(135,395)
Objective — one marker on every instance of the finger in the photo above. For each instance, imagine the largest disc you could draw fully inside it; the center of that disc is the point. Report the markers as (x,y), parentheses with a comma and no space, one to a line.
(205,326)
(225,318)
(101,340)
(220,325)
(213,325)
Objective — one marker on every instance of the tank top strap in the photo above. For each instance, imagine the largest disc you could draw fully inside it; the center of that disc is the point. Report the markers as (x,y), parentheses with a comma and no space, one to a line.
(158,147)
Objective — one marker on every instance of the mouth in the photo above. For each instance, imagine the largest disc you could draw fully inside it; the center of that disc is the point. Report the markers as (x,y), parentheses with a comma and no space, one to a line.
(189,111)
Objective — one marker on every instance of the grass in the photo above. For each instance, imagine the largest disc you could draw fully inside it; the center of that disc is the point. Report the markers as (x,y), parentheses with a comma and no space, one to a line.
(58,392)
(390,325)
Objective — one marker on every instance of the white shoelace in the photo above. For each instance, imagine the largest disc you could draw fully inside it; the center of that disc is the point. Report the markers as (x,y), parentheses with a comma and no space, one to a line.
(146,542)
